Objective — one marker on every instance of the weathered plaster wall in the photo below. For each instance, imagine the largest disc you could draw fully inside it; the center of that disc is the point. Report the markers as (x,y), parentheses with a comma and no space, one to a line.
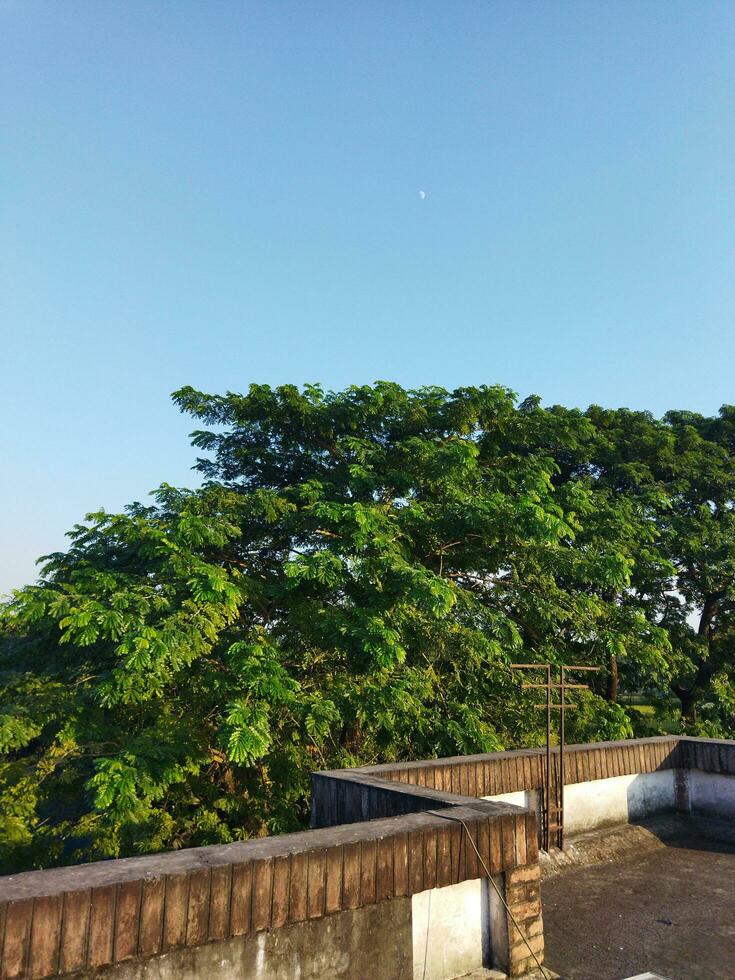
(451,930)
(277,907)
(530,799)
(622,799)
(711,794)
(605,802)
(374,941)
(524,797)
(243,909)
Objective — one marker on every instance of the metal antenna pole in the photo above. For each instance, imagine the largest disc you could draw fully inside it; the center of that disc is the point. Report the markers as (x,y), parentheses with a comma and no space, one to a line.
(547,791)
(562,706)
(546,808)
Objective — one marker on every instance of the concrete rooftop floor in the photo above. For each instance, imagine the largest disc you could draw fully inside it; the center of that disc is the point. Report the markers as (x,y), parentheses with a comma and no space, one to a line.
(670,911)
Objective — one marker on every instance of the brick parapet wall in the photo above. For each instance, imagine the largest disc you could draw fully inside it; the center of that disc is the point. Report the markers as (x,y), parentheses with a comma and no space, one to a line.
(708,755)
(525,921)
(498,773)
(89,916)
(409,839)
(370,792)
(351,795)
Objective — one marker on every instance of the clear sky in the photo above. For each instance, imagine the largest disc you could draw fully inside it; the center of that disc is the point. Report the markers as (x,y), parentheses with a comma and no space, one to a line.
(215,193)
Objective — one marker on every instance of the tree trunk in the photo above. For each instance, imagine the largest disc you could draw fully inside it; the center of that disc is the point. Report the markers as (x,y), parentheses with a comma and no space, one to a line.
(613,679)
(687,699)
(709,609)
(706,668)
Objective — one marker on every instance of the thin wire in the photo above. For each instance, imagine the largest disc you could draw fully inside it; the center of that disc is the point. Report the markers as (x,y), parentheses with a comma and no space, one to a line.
(447,816)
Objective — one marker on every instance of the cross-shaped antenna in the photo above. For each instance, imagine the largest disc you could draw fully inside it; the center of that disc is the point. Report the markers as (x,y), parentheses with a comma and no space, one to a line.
(562,706)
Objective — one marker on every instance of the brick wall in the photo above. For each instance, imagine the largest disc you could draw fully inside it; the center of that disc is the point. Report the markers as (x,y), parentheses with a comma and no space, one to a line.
(509,772)
(525,922)
(91,916)
(352,795)
(400,834)
(362,794)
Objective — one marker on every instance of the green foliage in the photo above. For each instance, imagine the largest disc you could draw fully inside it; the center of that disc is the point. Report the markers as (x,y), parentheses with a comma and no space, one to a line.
(349,586)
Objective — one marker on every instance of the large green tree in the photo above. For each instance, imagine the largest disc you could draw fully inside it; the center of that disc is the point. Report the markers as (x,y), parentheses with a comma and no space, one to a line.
(348,586)
(681,471)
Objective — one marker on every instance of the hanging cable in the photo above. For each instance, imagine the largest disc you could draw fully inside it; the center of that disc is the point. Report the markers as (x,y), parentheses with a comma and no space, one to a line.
(513,919)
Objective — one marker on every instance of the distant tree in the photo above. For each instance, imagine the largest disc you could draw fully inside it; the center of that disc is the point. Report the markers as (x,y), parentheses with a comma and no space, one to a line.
(348,586)
(681,469)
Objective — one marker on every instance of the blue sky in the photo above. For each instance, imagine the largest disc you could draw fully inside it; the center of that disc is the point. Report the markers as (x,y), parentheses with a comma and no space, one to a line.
(219,193)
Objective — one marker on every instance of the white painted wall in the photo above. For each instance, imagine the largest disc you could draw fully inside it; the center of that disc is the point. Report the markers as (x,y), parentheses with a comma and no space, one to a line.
(711,794)
(524,797)
(451,930)
(620,799)
(530,799)
(601,802)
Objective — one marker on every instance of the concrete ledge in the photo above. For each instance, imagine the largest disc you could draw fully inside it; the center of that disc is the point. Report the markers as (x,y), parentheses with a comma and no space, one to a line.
(611,844)
(419,825)
(344,796)
(372,792)
(91,916)
(607,782)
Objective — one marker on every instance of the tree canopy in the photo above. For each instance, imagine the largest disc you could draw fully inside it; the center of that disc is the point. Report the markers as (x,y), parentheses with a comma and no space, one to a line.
(348,586)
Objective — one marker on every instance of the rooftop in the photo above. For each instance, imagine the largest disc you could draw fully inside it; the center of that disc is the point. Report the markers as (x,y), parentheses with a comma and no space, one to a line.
(423,871)
(668,911)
